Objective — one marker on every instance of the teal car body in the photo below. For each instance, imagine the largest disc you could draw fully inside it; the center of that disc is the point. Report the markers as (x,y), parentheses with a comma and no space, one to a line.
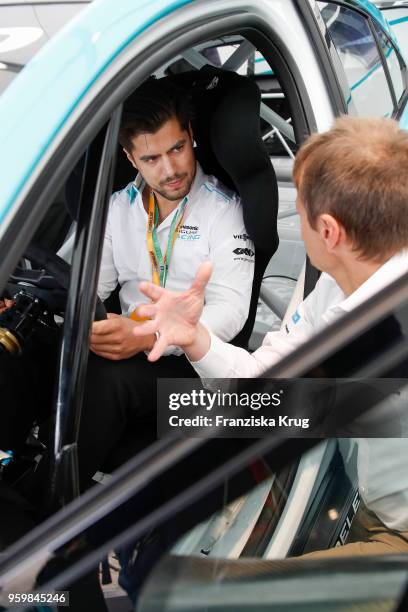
(40,100)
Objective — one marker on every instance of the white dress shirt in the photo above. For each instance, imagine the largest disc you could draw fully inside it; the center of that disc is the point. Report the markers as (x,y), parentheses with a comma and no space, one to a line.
(382,462)
(212,229)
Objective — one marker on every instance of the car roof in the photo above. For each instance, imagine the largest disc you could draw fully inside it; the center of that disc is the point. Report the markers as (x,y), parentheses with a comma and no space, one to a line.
(59,76)
(369,7)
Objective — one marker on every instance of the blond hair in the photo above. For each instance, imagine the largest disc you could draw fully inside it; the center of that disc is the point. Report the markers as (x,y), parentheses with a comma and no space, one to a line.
(358,173)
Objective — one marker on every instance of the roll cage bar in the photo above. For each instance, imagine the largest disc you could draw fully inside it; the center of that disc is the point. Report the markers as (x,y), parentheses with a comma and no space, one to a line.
(243,52)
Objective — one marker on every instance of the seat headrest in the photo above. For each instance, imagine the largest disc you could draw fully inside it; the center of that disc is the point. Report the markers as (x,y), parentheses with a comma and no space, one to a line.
(227,131)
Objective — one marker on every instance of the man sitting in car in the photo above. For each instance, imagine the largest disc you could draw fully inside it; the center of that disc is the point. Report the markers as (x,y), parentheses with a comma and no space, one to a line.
(353,206)
(160,231)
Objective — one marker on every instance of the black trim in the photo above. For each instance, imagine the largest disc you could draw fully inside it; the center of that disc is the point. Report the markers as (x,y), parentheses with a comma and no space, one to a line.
(12,67)
(290,80)
(402,105)
(271,513)
(403,603)
(94,201)
(323,55)
(312,275)
(334,490)
(398,104)
(404,71)
(384,64)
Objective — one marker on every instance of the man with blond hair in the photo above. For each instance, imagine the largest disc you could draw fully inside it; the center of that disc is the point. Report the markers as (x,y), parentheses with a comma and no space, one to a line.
(352,201)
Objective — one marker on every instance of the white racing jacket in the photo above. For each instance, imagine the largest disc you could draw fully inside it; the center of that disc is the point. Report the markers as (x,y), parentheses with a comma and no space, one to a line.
(212,229)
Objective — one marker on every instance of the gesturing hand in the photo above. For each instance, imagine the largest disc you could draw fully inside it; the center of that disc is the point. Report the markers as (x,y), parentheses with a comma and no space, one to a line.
(175,315)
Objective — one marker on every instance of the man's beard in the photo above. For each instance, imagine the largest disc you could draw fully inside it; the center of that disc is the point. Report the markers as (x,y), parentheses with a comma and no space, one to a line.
(178,195)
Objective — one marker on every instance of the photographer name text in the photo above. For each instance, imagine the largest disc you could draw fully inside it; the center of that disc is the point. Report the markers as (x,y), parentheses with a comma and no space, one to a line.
(219,400)
(252,421)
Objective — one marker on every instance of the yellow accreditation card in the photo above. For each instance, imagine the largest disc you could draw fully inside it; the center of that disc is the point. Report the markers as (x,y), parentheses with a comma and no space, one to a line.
(160,264)
(135,317)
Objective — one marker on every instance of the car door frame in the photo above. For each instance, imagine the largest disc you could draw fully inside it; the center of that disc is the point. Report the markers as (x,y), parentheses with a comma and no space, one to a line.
(400,111)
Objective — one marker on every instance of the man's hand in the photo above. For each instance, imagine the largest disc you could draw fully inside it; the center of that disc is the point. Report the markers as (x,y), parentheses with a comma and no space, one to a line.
(113,338)
(175,316)
(5,304)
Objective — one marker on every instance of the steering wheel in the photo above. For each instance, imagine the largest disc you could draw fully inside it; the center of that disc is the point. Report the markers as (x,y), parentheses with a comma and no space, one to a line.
(49,281)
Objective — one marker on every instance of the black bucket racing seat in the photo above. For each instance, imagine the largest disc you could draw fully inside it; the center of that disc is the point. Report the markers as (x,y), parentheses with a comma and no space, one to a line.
(227,131)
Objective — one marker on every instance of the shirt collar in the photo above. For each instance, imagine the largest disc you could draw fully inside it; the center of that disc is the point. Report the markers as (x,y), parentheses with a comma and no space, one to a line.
(132,192)
(394,267)
(198,181)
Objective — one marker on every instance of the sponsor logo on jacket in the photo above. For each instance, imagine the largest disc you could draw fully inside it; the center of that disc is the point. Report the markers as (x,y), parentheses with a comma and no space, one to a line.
(244,254)
(244,251)
(189,232)
(296,317)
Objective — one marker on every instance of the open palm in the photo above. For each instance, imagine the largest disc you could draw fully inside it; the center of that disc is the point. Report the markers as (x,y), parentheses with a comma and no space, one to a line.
(174,314)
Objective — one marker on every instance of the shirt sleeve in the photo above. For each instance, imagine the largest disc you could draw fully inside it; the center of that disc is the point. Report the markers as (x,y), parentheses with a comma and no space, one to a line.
(108,275)
(228,361)
(228,294)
